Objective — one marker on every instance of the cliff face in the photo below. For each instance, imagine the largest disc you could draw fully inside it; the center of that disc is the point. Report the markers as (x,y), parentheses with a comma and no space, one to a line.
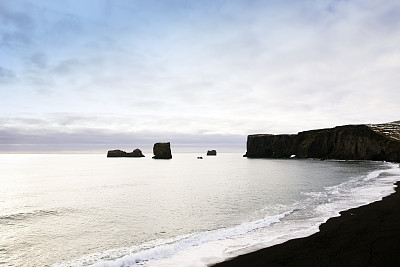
(354,142)
(271,146)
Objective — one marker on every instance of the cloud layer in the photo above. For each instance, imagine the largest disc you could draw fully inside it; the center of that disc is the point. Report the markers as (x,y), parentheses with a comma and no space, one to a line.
(190,68)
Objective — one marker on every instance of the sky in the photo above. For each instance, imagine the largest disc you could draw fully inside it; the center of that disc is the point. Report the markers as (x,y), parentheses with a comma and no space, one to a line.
(87,76)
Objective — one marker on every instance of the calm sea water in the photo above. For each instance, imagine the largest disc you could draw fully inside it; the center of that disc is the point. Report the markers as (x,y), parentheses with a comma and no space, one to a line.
(80,210)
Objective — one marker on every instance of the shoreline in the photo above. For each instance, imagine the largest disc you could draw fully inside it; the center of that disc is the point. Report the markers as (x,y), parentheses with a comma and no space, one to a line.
(365,236)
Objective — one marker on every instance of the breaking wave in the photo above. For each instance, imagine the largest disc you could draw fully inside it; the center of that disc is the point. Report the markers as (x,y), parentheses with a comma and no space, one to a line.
(167,248)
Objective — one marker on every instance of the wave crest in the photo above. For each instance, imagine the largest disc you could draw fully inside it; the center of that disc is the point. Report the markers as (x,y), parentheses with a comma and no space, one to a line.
(169,248)
(21,216)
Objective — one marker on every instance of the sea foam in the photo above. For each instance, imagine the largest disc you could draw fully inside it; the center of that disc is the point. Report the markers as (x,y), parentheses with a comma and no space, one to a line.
(168,248)
(200,249)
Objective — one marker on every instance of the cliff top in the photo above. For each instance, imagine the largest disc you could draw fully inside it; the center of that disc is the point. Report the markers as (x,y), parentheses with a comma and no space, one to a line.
(391,129)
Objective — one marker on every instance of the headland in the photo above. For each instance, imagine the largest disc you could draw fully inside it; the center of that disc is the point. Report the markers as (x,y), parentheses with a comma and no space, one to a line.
(365,236)
(379,142)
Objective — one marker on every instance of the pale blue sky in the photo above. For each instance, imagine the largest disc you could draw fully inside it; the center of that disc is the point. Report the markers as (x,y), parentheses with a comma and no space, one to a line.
(197,72)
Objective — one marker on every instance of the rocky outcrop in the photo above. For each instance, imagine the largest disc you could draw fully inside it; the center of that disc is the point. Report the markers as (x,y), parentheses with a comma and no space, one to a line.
(137,153)
(350,142)
(162,151)
(211,153)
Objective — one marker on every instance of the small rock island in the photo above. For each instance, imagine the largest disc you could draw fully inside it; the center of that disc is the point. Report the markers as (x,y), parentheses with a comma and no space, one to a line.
(211,153)
(379,142)
(162,151)
(137,153)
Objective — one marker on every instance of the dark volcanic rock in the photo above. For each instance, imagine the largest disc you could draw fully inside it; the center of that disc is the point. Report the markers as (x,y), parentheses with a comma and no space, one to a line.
(116,153)
(162,151)
(270,146)
(350,142)
(137,153)
(211,153)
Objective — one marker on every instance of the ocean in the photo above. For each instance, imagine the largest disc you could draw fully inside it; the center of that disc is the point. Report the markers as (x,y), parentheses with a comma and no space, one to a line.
(90,210)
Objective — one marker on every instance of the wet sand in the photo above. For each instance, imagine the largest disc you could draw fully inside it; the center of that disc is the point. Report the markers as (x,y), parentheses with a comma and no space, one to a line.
(364,236)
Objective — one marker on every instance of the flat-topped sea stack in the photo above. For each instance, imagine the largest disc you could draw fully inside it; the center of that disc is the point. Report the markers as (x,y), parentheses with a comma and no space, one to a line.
(350,142)
(162,151)
(137,153)
(211,153)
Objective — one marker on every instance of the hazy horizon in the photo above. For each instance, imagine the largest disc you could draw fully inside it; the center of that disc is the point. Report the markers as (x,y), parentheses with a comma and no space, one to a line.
(97,75)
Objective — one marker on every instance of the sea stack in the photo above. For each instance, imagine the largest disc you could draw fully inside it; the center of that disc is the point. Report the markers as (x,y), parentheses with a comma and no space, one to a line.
(137,153)
(211,153)
(162,151)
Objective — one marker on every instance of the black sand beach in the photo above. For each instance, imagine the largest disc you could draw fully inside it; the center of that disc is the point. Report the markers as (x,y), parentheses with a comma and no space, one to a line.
(364,236)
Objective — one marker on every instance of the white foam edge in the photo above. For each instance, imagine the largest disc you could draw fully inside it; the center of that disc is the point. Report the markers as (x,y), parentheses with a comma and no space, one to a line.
(219,251)
(214,246)
(169,247)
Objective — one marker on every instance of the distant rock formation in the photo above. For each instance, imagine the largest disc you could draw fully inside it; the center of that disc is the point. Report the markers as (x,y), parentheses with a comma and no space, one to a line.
(137,153)
(211,153)
(162,151)
(350,142)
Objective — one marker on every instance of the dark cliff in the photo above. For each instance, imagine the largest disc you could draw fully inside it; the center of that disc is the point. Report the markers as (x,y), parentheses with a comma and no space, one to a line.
(350,142)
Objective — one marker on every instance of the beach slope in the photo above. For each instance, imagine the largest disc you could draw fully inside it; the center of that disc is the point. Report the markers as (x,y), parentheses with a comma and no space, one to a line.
(364,236)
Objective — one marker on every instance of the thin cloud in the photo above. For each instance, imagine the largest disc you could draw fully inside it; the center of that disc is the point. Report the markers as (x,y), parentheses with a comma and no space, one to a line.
(6,75)
(89,140)
(16,26)
(209,68)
